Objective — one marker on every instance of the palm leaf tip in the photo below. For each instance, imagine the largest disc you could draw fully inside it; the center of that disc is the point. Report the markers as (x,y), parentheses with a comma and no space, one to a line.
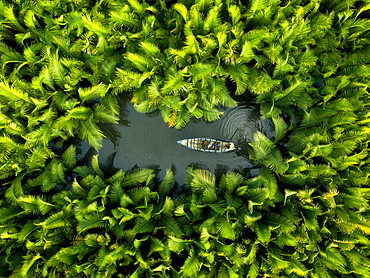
(191,265)
(280,128)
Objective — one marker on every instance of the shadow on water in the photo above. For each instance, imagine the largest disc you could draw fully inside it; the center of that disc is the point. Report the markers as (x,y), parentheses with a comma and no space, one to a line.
(144,140)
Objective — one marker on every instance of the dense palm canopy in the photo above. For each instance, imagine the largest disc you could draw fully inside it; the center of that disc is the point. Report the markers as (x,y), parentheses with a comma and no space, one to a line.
(306,214)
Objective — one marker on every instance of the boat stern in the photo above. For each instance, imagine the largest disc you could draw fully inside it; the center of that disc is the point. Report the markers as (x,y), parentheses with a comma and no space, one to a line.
(232,147)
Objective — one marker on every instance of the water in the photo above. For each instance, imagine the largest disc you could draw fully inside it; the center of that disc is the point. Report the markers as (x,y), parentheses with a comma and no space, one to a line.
(143,140)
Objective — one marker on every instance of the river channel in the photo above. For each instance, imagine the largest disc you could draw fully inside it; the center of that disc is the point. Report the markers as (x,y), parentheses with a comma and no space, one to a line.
(145,140)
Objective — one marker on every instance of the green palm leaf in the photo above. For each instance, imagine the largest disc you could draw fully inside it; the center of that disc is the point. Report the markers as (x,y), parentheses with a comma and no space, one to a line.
(280,222)
(211,114)
(34,204)
(235,13)
(56,220)
(177,245)
(30,20)
(103,114)
(28,263)
(7,213)
(257,195)
(181,9)
(13,94)
(156,245)
(247,53)
(144,226)
(280,128)
(261,145)
(137,177)
(263,232)
(78,189)
(90,221)
(170,226)
(202,178)
(90,131)
(8,13)
(140,61)
(225,229)
(150,49)
(166,183)
(231,181)
(94,26)
(221,93)
(238,74)
(192,265)
(174,82)
(138,7)
(251,257)
(200,71)
(69,157)
(126,19)
(90,93)
(57,70)
(270,182)
(290,95)
(256,6)
(137,195)
(212,20)
(15,190)
(275,162)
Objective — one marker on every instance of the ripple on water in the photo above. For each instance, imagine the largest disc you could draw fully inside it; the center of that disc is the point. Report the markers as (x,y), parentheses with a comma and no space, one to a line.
(240,123)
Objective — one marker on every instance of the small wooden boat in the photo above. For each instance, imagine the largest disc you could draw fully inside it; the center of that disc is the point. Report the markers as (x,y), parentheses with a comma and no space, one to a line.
(208,145)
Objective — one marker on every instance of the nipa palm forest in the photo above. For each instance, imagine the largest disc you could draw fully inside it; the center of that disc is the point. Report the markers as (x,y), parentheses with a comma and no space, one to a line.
(306,63)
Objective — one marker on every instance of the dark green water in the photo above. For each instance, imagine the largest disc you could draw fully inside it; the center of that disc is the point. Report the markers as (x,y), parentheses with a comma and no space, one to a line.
(144,140)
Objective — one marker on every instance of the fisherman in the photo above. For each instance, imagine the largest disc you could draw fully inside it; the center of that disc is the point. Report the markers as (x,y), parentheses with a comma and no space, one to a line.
(211,146)
(205,144)
(218,146)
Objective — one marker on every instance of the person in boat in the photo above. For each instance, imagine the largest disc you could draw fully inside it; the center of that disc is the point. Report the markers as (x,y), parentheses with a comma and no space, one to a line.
(218,146)
(205,144)
(211,146)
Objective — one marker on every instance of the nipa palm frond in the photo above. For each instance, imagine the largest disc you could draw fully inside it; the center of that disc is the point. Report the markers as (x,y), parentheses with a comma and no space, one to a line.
(94,26)
(181,119)
(13,94)
(225,228)
(90,93)
(192,265)
(211,115)
(199,71)
(230,181)
(235,14)
(90,131)
(212,21)
(90,221)
(239,75)
(202,178)
(57,220)
(182,10)
(123,18)
(103,115)
(140,62)
(170,226)
(166,183)
(137,177)
(261,145)
(150,49)
(280,128)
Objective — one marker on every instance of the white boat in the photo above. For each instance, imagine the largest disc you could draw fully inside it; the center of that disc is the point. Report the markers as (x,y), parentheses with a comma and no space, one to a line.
(208,145)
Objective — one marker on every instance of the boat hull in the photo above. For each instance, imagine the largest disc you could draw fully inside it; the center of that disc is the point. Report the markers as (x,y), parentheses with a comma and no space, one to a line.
(208,145)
